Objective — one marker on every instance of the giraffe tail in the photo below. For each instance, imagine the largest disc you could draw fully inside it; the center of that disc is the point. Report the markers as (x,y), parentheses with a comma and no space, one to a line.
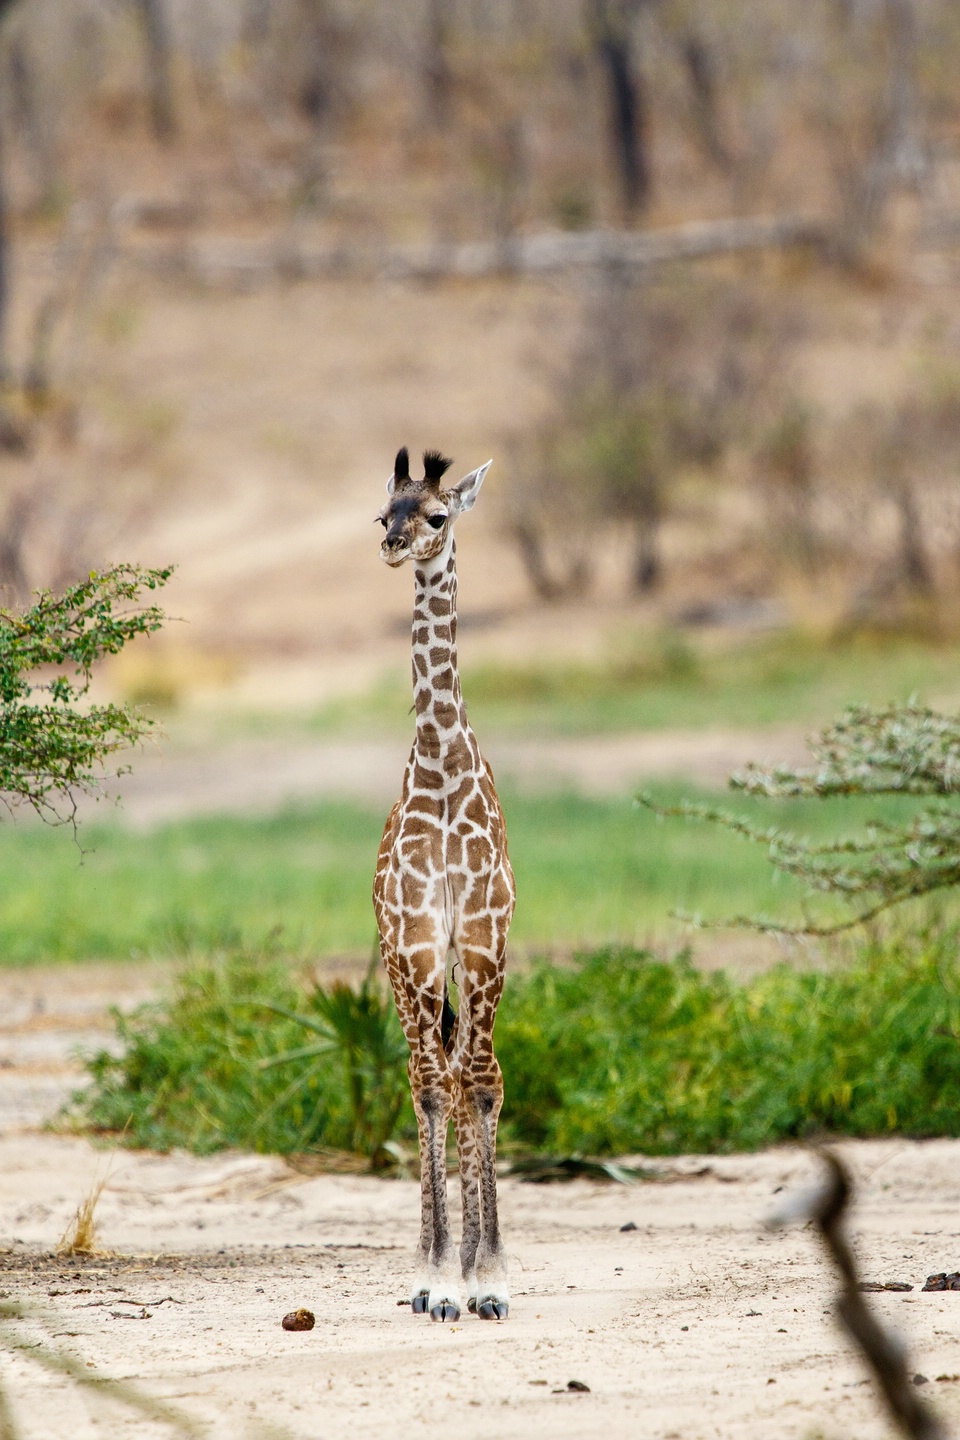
(448,1019)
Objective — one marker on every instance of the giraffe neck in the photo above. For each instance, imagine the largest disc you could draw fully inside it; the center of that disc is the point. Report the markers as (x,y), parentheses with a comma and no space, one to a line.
(441,717)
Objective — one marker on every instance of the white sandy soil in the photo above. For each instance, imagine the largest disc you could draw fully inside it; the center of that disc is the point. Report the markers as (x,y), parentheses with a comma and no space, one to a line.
(698,1323)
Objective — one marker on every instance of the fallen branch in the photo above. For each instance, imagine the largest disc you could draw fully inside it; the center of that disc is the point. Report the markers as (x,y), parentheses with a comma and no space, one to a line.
(249,264)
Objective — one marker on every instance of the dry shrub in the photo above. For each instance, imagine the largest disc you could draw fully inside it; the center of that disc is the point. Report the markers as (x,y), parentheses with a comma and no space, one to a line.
(663,381)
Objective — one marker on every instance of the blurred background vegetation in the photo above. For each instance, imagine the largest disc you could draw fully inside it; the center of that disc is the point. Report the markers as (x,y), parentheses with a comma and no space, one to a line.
(689,270)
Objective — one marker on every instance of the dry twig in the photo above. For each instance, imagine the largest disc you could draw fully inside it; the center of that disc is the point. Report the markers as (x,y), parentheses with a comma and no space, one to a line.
(884,1352)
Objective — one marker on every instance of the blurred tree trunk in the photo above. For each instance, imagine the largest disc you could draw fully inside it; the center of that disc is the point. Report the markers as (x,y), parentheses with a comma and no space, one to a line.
(14,580)
(576,580)
(915,564)
(255,25)
(324,78)
(905,150)
(897,153)
(4,266)
(6,6)
(159,56)
(437,71)
(700,65)
(647,559)
(319,39)
(610,27)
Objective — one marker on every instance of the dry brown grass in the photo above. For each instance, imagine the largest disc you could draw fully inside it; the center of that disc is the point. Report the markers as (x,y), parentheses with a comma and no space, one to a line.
(80,1236)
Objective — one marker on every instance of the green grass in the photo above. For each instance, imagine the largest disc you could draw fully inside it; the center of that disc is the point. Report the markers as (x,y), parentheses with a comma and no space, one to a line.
(618,1053)
(589,871)
(671,681)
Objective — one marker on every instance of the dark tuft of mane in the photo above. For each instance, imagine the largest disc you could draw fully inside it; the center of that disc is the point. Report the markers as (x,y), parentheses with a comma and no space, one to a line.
(401,466)
(435,465)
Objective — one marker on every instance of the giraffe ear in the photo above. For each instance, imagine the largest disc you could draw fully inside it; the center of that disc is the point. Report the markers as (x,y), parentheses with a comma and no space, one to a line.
(463,496)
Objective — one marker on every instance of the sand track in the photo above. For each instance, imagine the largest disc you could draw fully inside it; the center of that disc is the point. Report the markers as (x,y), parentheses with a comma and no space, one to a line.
(258,776)
(698,1323)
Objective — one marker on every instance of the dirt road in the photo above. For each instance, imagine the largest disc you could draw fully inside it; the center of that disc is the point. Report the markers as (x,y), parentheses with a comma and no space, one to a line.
(697,1323)
(245,776)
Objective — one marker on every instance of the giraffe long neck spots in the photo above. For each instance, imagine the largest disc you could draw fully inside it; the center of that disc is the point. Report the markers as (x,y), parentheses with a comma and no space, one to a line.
(441,718)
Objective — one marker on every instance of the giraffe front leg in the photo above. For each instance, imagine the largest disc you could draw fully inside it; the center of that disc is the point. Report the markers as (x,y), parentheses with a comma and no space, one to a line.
(481,1084)
(421,1283)
(468,1160)
(436,1101)
(484,1098)
(434,1088)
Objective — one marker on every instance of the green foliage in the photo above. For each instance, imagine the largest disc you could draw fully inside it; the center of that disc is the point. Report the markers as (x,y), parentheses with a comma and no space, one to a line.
(222,1062)
(903,750)
(49,749)
(643,1056)
(654,1057)
(361,1028)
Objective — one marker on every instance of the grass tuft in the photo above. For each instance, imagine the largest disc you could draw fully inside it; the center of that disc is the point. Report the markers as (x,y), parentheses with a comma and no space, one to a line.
(80,1236)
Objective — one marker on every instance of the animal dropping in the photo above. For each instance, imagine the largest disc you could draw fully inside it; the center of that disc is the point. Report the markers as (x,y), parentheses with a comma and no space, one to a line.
(299,1320)
(443,887)
(943,1281)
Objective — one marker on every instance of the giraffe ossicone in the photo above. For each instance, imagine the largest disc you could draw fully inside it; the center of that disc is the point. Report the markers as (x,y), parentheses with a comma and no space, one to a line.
(444,886)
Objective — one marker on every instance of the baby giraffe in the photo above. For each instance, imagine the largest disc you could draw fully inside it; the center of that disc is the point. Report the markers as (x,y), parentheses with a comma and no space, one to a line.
(443,884)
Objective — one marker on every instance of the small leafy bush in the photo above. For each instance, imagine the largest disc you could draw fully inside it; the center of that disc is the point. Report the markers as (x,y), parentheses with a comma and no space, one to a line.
(223,1062)
(54,744)
(617,1054)
(656,1057)
(900,750)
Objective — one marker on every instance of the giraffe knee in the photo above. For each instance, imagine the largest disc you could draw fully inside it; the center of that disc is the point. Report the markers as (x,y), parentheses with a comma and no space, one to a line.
(436,1101)
(484,1100)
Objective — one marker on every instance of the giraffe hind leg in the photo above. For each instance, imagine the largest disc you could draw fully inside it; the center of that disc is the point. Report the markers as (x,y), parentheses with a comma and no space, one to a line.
(435,1089)
(421,1283)
(467,1164)
(481,1086)
(422,1276)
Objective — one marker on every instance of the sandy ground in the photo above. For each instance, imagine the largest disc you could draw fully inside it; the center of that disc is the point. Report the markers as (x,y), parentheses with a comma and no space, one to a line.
(245,776)
(697,1323)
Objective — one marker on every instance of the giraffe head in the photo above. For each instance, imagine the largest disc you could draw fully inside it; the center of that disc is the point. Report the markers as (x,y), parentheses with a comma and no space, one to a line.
(418,517)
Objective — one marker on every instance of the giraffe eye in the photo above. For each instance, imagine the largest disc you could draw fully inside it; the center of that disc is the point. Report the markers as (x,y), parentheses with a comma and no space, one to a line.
(383,520)
(436,521)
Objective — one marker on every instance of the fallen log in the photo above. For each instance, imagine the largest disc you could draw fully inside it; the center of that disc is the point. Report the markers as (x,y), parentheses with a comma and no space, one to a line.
(249,264)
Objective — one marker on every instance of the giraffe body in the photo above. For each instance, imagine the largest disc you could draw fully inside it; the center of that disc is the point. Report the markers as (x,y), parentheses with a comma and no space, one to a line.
(444,884)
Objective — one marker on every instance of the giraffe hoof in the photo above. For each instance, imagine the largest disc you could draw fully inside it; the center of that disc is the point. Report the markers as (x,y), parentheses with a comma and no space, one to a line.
(493,1309)
(446,1310)
(472,1304)
(419,1303)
